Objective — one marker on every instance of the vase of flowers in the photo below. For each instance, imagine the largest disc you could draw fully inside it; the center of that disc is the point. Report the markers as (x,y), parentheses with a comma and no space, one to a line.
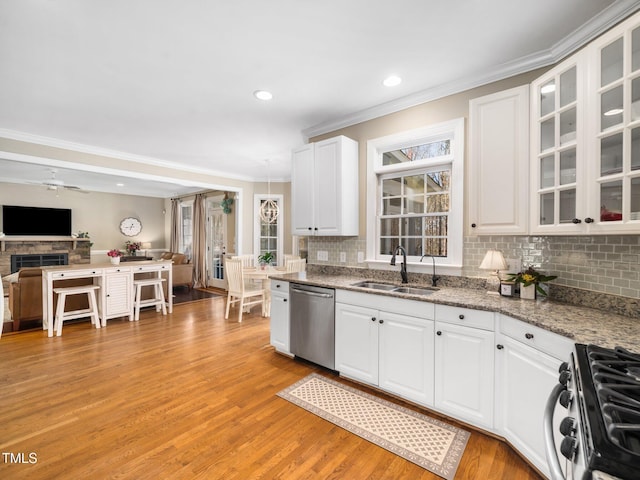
(132,247)
(114,256)
(530,281)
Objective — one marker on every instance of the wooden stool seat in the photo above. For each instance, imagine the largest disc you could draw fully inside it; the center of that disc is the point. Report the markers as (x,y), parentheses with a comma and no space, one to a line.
(92,311)
(157,300)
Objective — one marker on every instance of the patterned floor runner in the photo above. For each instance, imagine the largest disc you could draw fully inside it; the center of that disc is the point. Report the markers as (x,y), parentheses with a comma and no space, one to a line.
(432,444)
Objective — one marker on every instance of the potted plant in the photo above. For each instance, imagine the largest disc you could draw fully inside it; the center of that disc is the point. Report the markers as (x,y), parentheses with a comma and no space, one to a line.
(530,280)
(265,259)
(114,255)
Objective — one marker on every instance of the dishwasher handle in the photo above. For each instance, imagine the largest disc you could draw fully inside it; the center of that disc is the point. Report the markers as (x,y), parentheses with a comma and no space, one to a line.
(310,293)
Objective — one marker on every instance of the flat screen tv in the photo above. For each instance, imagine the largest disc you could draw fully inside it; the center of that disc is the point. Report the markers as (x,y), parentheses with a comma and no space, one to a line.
(36,221)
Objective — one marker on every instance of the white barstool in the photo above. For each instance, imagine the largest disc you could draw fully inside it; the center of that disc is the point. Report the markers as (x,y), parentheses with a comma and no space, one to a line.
(158,296)
(92,311)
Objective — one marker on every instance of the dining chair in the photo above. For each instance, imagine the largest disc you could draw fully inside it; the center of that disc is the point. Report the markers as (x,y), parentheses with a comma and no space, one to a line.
(239,291)
(288,256)
(247,260)
(296,265)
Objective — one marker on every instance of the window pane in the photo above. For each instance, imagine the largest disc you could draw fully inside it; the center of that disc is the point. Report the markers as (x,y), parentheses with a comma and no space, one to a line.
(635,149)
(611,201)
(567,167)
(611,108)
(389,227)
(436,247)
(635,99)
(635,198)
(387,245)
(438,181)
(611,155)
(546,209)
(392,187)
(413,245)
(568,126)
(547,173)
(611,62)
(414,184)
(418,152)
(635,49)
(414,204)
(547,134)
(435,226)
(567,206)
(413,226)
(568,87)
(392,206)
(547,98)
(438,203)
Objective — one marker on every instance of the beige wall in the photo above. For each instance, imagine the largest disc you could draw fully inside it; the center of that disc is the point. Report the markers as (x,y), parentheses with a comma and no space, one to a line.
(97,213)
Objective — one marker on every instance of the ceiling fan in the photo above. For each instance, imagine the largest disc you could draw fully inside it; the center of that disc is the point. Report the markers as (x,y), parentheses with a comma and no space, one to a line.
(54,184)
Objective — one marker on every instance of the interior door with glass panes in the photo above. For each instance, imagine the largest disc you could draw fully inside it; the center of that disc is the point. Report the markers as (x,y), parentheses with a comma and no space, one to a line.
(557,152)
(615,202)
(216,243)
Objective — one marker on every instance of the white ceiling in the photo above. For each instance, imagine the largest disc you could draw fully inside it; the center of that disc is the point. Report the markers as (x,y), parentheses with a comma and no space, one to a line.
(171,81)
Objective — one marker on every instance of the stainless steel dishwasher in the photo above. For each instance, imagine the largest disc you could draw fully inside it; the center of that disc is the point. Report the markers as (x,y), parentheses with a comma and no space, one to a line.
(313,324)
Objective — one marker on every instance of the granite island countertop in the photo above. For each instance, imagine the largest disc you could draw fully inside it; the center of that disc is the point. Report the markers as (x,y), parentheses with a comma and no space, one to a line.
(580,324)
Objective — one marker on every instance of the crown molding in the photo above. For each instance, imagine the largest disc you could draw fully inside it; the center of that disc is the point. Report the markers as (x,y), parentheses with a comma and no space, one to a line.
(613,14)
(104,152)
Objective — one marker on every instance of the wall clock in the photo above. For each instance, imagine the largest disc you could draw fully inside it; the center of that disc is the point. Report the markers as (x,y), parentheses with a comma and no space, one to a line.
(130,226)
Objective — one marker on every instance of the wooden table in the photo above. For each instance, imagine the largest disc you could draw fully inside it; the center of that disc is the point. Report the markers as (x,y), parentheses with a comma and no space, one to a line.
(259,273)
(100,273)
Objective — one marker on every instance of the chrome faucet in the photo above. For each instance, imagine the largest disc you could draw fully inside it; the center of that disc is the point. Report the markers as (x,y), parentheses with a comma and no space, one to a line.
(434,277)
(403,265)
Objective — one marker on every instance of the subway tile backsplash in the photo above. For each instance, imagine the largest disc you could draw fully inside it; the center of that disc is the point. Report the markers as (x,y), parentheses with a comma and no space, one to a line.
(606,264)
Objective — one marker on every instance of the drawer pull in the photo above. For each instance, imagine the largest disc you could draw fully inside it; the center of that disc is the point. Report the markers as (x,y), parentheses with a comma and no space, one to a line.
(461,317)
(380,321)
(284,299)
(373,319)
(528,336)
(438,332)
(278,286)
(499,347)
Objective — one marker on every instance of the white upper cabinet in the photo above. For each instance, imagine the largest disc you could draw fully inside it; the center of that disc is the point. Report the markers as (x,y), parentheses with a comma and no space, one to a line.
(324,188)
(614,130)
(499,163)
(585,139)
(557,150)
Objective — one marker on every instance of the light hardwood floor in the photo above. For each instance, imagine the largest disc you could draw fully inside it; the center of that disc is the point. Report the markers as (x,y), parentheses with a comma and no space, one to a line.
(186,396)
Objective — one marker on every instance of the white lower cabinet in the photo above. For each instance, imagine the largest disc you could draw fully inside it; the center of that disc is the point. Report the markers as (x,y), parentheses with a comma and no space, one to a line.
(388,349)
(279,327)
(527,362)
(118,292)
(464,365)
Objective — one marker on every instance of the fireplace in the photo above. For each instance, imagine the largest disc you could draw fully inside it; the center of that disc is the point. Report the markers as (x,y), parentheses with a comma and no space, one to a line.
(38,260)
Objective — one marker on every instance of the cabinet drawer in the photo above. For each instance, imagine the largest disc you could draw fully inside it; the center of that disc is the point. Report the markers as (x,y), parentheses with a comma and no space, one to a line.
(90,272)
(465,316)
(387,303)
(151,268)
(551,343)
(279,286)
(119,269)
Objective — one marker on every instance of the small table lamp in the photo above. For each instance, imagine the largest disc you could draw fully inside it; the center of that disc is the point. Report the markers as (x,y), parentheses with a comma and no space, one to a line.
(494,260)
(146,246)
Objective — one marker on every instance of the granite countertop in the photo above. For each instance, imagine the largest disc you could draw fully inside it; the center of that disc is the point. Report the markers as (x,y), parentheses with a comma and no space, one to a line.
(580,324)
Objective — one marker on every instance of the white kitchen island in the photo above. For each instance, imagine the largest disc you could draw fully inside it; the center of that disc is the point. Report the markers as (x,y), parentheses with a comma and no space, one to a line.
(116,295)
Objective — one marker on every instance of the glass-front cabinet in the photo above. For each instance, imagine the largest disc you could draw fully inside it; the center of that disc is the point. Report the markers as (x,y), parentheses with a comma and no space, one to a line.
(585,139)
(557,149)
(615,130)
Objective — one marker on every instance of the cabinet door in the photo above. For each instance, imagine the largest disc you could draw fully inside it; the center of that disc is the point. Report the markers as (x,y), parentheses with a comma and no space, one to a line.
(279,322)
(499,156)
(357,342)
(326,175)
(302,190)
(524,380)
(615,133)
(558,159)
(464,381)
(406,357)
(118,295)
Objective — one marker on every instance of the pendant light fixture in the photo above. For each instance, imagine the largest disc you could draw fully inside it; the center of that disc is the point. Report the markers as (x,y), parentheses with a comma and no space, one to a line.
(269,209)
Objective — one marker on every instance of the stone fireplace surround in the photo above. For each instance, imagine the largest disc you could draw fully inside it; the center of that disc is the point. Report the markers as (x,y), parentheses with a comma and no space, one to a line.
(77,249)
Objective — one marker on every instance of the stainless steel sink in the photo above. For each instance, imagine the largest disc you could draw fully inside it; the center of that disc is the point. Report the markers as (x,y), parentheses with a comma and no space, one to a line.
(375,285)
(415,290)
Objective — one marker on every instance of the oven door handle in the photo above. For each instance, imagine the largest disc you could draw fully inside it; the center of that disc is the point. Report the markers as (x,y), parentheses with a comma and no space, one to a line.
(547,426)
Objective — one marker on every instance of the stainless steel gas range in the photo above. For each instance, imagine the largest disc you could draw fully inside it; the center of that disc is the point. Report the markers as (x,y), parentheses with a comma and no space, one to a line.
(599,438)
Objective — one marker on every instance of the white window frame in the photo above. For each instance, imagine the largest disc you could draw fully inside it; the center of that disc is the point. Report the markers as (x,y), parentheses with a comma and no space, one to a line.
(187,204)
(257,198)
(452,130)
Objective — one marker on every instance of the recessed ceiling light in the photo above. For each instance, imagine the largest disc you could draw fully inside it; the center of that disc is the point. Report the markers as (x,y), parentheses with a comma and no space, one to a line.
(392,81)
(551,87)
(119,184)
(262,95)
(612,112)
